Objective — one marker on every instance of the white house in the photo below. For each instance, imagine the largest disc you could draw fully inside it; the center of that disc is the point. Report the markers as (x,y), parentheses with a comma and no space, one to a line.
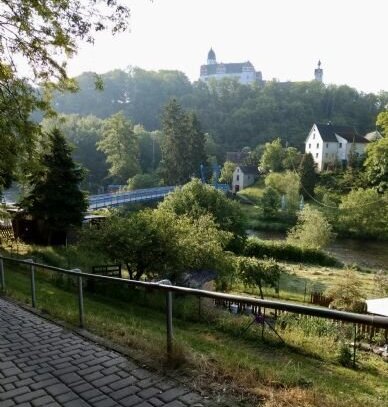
(243,176)
(330,144)
(244,72)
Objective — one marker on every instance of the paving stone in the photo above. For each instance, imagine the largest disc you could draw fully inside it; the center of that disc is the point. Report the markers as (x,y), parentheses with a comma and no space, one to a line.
(42,401)
(148,393)
(172,394)
(156,402)
(131,401)
(41,364)
(29,396)
(190,398)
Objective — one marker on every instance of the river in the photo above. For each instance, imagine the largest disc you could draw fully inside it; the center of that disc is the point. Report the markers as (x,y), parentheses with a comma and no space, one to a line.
(365,253)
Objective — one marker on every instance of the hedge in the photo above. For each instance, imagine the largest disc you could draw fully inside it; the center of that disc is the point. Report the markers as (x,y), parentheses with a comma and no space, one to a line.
(255,247)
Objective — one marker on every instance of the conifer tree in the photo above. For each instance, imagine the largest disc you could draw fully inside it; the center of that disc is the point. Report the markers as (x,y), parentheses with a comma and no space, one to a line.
(183,144)
(55,199)
(308,176)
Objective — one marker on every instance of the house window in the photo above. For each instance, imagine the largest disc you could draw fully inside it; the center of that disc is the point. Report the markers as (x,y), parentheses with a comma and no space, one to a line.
(309,145)
(316,155)
(340,145)
(327,145)
(238,178)
(317,145)
(313,136)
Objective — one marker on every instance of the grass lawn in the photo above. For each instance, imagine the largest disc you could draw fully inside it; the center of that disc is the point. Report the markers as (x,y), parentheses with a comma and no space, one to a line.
(214,349)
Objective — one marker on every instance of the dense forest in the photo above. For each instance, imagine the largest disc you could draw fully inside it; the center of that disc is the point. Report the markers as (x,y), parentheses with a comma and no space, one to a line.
(233,115)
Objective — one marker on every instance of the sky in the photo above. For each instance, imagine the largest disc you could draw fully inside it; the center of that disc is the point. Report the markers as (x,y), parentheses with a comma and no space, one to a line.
(284,39)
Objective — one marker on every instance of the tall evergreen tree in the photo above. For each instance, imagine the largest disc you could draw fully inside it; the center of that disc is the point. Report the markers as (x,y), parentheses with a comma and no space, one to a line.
(308,176)
(183,144)
(55,198)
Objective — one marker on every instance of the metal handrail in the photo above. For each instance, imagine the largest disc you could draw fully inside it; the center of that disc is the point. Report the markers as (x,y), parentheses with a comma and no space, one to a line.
(373,320)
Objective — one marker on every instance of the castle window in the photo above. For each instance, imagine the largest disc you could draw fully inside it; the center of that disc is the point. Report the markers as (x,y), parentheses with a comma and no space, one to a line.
(316,155)
(326,155)
(238,178)
(327,145)
(317,145)
(314,136)
(309,145)
(340,145)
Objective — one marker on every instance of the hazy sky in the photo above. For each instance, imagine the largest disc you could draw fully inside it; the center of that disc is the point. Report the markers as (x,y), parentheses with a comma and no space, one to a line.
(282,38)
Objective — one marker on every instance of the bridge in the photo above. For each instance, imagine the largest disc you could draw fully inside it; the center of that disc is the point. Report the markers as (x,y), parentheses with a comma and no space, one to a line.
(140,195)
(121,198)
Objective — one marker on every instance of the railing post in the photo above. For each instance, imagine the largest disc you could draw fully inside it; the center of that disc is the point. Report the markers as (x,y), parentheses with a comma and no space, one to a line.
(80,298)
(33,291)
(169,327)
(2,278)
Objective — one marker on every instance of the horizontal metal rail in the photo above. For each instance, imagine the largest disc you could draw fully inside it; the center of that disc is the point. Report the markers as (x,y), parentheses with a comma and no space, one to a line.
(373,320)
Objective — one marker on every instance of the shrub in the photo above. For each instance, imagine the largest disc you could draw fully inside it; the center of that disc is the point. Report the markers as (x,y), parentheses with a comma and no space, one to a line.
(285,251)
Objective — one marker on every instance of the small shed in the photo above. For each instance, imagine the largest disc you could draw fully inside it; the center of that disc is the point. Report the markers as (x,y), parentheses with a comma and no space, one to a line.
(378,306)
(243,176)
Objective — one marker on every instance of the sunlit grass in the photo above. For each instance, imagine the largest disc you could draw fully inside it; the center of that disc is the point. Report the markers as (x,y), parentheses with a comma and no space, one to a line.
(216,348)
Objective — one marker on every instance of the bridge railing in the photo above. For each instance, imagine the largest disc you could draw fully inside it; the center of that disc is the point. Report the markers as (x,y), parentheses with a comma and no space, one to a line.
(166,287)
(114,199)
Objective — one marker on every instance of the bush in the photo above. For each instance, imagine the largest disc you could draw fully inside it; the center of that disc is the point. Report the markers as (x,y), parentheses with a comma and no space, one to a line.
(284,251)
(345,357)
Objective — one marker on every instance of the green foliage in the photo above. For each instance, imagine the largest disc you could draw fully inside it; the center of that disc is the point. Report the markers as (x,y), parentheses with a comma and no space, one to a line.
(312,230)
(381,283)
(149,146)
(83,132)
(270,202)
(382,121)
(284,251)
(140,181)
(120,146)
(287,184)
(347,294)
(273,155)
(227,172)
(235,115)
(183,144)
(196,199)
(55,198)
(364,212)
(292,158)
(376,164)
(345,356)
(254,272)
(308,176)
(158,243)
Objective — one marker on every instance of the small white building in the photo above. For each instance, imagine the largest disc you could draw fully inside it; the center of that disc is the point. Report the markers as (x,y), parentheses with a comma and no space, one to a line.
(243,176)
(330,144)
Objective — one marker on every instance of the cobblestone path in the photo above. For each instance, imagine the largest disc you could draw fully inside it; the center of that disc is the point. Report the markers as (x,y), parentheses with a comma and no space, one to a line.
(42,364)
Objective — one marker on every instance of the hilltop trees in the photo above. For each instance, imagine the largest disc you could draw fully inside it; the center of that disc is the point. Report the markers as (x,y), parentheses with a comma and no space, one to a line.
(55,199)
(183,144)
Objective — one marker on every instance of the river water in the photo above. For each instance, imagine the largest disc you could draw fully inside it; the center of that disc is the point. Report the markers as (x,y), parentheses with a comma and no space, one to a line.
(365,253)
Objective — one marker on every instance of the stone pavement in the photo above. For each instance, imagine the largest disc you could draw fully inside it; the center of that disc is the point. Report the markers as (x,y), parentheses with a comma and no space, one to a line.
(42,364)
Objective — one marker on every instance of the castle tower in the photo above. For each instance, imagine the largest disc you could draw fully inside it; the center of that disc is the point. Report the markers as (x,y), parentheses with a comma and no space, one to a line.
(318,73)
(211,57)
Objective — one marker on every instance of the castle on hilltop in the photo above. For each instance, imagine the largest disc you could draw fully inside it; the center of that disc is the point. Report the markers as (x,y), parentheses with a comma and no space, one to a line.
(244,72)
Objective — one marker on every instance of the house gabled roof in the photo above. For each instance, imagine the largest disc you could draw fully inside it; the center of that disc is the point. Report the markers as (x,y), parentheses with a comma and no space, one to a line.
(329,131)
(249,169)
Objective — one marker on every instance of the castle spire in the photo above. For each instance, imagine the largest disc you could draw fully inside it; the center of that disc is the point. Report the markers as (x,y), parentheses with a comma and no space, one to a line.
(211,57)
(318,73)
